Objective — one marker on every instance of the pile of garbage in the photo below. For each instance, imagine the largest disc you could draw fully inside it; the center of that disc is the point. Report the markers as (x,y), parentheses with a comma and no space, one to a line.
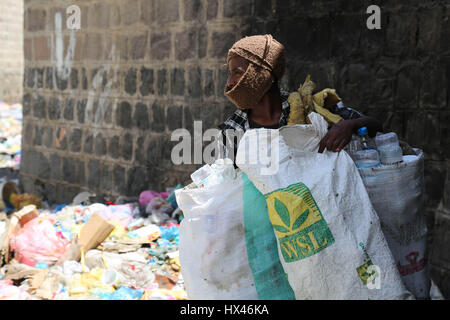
(10,135)
(92,250)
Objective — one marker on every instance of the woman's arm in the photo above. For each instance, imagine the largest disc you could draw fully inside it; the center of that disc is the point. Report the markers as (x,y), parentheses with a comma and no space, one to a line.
(340,134)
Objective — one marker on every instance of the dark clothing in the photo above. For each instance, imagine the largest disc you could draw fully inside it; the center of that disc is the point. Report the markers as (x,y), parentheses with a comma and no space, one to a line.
(254,125)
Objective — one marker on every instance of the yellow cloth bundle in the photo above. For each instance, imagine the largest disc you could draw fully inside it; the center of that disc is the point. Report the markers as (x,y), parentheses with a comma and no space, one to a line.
(303,102)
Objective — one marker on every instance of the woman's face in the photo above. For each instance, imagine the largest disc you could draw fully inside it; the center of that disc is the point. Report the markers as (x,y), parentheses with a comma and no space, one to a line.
(236,69)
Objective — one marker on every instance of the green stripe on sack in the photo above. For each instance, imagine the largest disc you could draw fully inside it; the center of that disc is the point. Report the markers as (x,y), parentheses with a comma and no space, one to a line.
(270,279)
(297,188)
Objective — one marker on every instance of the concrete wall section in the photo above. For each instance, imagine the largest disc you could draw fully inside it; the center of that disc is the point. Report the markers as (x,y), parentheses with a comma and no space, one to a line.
(11,50)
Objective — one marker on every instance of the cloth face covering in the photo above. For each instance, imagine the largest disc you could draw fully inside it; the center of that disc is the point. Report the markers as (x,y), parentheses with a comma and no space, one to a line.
(266,57)
(250,89)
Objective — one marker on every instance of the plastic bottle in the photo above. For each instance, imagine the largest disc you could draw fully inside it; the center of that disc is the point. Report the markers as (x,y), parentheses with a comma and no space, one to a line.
(201,174)
(222,169)
(353,146)
(389,148)
(386,139)
(365,141)
(368,158)
(217,173)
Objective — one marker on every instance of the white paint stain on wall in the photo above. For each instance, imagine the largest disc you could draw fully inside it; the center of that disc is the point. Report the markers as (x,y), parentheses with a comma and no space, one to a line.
(101,92)
(98,91)
(62,64)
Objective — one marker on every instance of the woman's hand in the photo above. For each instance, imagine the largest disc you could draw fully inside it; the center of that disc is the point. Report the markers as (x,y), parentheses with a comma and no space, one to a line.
(338,136)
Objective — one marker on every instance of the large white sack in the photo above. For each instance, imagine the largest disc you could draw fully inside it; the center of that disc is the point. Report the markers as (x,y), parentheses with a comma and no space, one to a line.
(397,194)
(328,255)
(213,252)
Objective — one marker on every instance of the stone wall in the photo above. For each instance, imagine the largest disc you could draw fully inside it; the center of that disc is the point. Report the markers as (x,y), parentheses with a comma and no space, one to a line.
(100,102)
(399,74)
(11,50)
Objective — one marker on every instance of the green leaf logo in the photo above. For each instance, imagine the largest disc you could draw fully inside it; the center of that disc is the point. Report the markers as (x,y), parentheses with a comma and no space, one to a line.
(283,212)
(280,229)
(300,219)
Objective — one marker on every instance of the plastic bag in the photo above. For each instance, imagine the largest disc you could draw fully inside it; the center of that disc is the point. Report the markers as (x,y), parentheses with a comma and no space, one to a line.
(124,293)
(158,206)
(38,241)
(146,196)
(89,284)
(170,233)
(135,275)
(149,232)
(10,292)
(131,268)
(122,214)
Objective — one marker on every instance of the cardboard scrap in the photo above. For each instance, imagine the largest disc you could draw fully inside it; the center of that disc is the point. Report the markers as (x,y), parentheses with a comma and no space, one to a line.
(140,241)
(165,282)
(94,232)
(18,271)
(175,264)
(26,214)
(174,260)
(119,247)
(48,284)
(37,279)
(44,283)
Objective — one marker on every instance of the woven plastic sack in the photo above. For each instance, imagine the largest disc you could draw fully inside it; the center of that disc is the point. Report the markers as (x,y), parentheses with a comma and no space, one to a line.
(227,246)
(329,238)
(268,274)
(397,194)
(213,251)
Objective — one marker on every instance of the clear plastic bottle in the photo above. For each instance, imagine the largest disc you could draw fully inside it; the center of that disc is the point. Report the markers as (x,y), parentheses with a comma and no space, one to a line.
(209,175)
(389,148)
(200,175)
(368,158)
(365,141)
